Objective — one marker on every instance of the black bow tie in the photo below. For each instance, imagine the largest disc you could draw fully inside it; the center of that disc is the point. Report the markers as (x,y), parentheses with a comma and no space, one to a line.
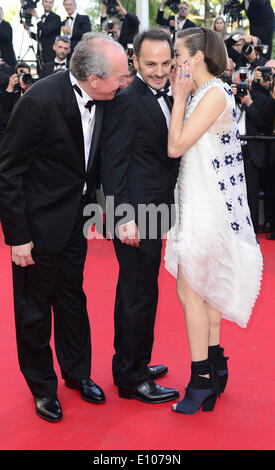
(90,104)
(69,18)
(58,64)
(161,93)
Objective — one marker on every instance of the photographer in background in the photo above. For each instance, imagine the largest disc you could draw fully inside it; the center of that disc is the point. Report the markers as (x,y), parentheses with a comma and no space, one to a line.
(255,154)
(112,27)
(5,72)
(245,50)
(261,19)
(267,115)
(75,25)
(129,22)
(6,46)
(62,48)
(48,27)
(19,83)
(183,11)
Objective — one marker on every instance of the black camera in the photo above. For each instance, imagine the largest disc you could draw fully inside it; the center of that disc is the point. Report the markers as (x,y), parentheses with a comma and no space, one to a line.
(224,77)
(111,7)
(266,73)
(242,89)
(26,79)
(173,5)
(232,9)
(25,16)
(247,48)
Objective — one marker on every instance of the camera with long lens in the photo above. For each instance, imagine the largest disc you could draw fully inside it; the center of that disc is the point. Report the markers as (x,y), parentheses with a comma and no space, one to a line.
(25,16)
(111,7)
(173,5)
(26,79)
(232,9)
(266,73)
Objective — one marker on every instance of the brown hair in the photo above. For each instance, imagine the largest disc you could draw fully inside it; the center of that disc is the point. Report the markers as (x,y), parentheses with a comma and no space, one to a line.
(209,43)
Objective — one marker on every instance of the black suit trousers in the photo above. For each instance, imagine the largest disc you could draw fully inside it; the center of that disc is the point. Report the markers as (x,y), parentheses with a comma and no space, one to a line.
(135,310)
(53,284)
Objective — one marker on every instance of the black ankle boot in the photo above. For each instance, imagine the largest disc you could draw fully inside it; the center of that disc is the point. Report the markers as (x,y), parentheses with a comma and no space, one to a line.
(201,391)
(219,362)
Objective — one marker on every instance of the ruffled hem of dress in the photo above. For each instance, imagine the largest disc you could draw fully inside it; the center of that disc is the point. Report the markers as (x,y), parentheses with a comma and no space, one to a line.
(245,286)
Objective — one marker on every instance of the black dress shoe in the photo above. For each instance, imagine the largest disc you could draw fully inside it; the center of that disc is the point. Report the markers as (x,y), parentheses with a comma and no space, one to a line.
(48,408)
(271,236)
(89,391)
(149,392)
(154,372)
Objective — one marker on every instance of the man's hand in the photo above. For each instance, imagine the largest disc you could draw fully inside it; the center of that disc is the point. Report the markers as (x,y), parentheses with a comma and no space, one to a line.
(21,254)
(129,234)
(12,82)
(66,30)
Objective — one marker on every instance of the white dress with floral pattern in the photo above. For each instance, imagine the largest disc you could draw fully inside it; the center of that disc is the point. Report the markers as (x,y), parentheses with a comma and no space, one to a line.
(213,239)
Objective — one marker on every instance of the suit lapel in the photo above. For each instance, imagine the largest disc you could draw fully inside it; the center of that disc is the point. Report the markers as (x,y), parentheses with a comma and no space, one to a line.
(153,108)
(73,119)
(96,133)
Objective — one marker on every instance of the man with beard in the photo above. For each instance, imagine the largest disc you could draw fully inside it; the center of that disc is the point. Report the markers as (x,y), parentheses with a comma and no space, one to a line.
(136,171)
(62,48)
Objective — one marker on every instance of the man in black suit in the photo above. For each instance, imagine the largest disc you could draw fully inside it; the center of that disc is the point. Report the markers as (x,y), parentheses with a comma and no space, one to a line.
(48,28)
(62,48)
(75,25)
(182,21)
(6,46)
(48,168)
(136,171)
(255,154)
(261,20)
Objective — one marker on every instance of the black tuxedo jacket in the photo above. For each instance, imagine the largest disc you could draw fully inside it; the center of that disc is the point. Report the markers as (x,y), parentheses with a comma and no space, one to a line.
(81,26)
(267,114)
(258,151)
(46,34)
(42,165)
(135,167)
(48,69)
(6,46)
(165,21)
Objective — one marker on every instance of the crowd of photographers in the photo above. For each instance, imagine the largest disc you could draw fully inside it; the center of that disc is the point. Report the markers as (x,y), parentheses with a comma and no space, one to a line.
(250,72)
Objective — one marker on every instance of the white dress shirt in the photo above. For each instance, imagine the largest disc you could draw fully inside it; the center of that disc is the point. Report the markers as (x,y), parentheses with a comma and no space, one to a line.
(87,120)
(70,24)
(162,103)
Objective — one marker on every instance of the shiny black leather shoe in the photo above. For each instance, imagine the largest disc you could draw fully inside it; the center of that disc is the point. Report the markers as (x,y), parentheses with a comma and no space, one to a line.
(48,408)
(149,392)
(154,372)
(89,391)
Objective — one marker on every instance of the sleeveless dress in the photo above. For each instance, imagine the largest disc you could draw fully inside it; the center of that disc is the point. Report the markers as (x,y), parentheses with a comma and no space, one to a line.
(213,239)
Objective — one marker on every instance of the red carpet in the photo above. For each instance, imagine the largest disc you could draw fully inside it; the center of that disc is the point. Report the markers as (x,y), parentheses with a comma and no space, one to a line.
(244,418)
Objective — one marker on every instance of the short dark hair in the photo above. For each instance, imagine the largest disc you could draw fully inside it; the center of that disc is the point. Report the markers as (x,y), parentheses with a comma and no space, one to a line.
(210,43)
(22,65)
(152,34)
(62,38)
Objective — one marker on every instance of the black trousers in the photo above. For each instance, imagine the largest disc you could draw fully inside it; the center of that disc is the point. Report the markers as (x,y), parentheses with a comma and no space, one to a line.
(256,179)
(52,288)
(135,310)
